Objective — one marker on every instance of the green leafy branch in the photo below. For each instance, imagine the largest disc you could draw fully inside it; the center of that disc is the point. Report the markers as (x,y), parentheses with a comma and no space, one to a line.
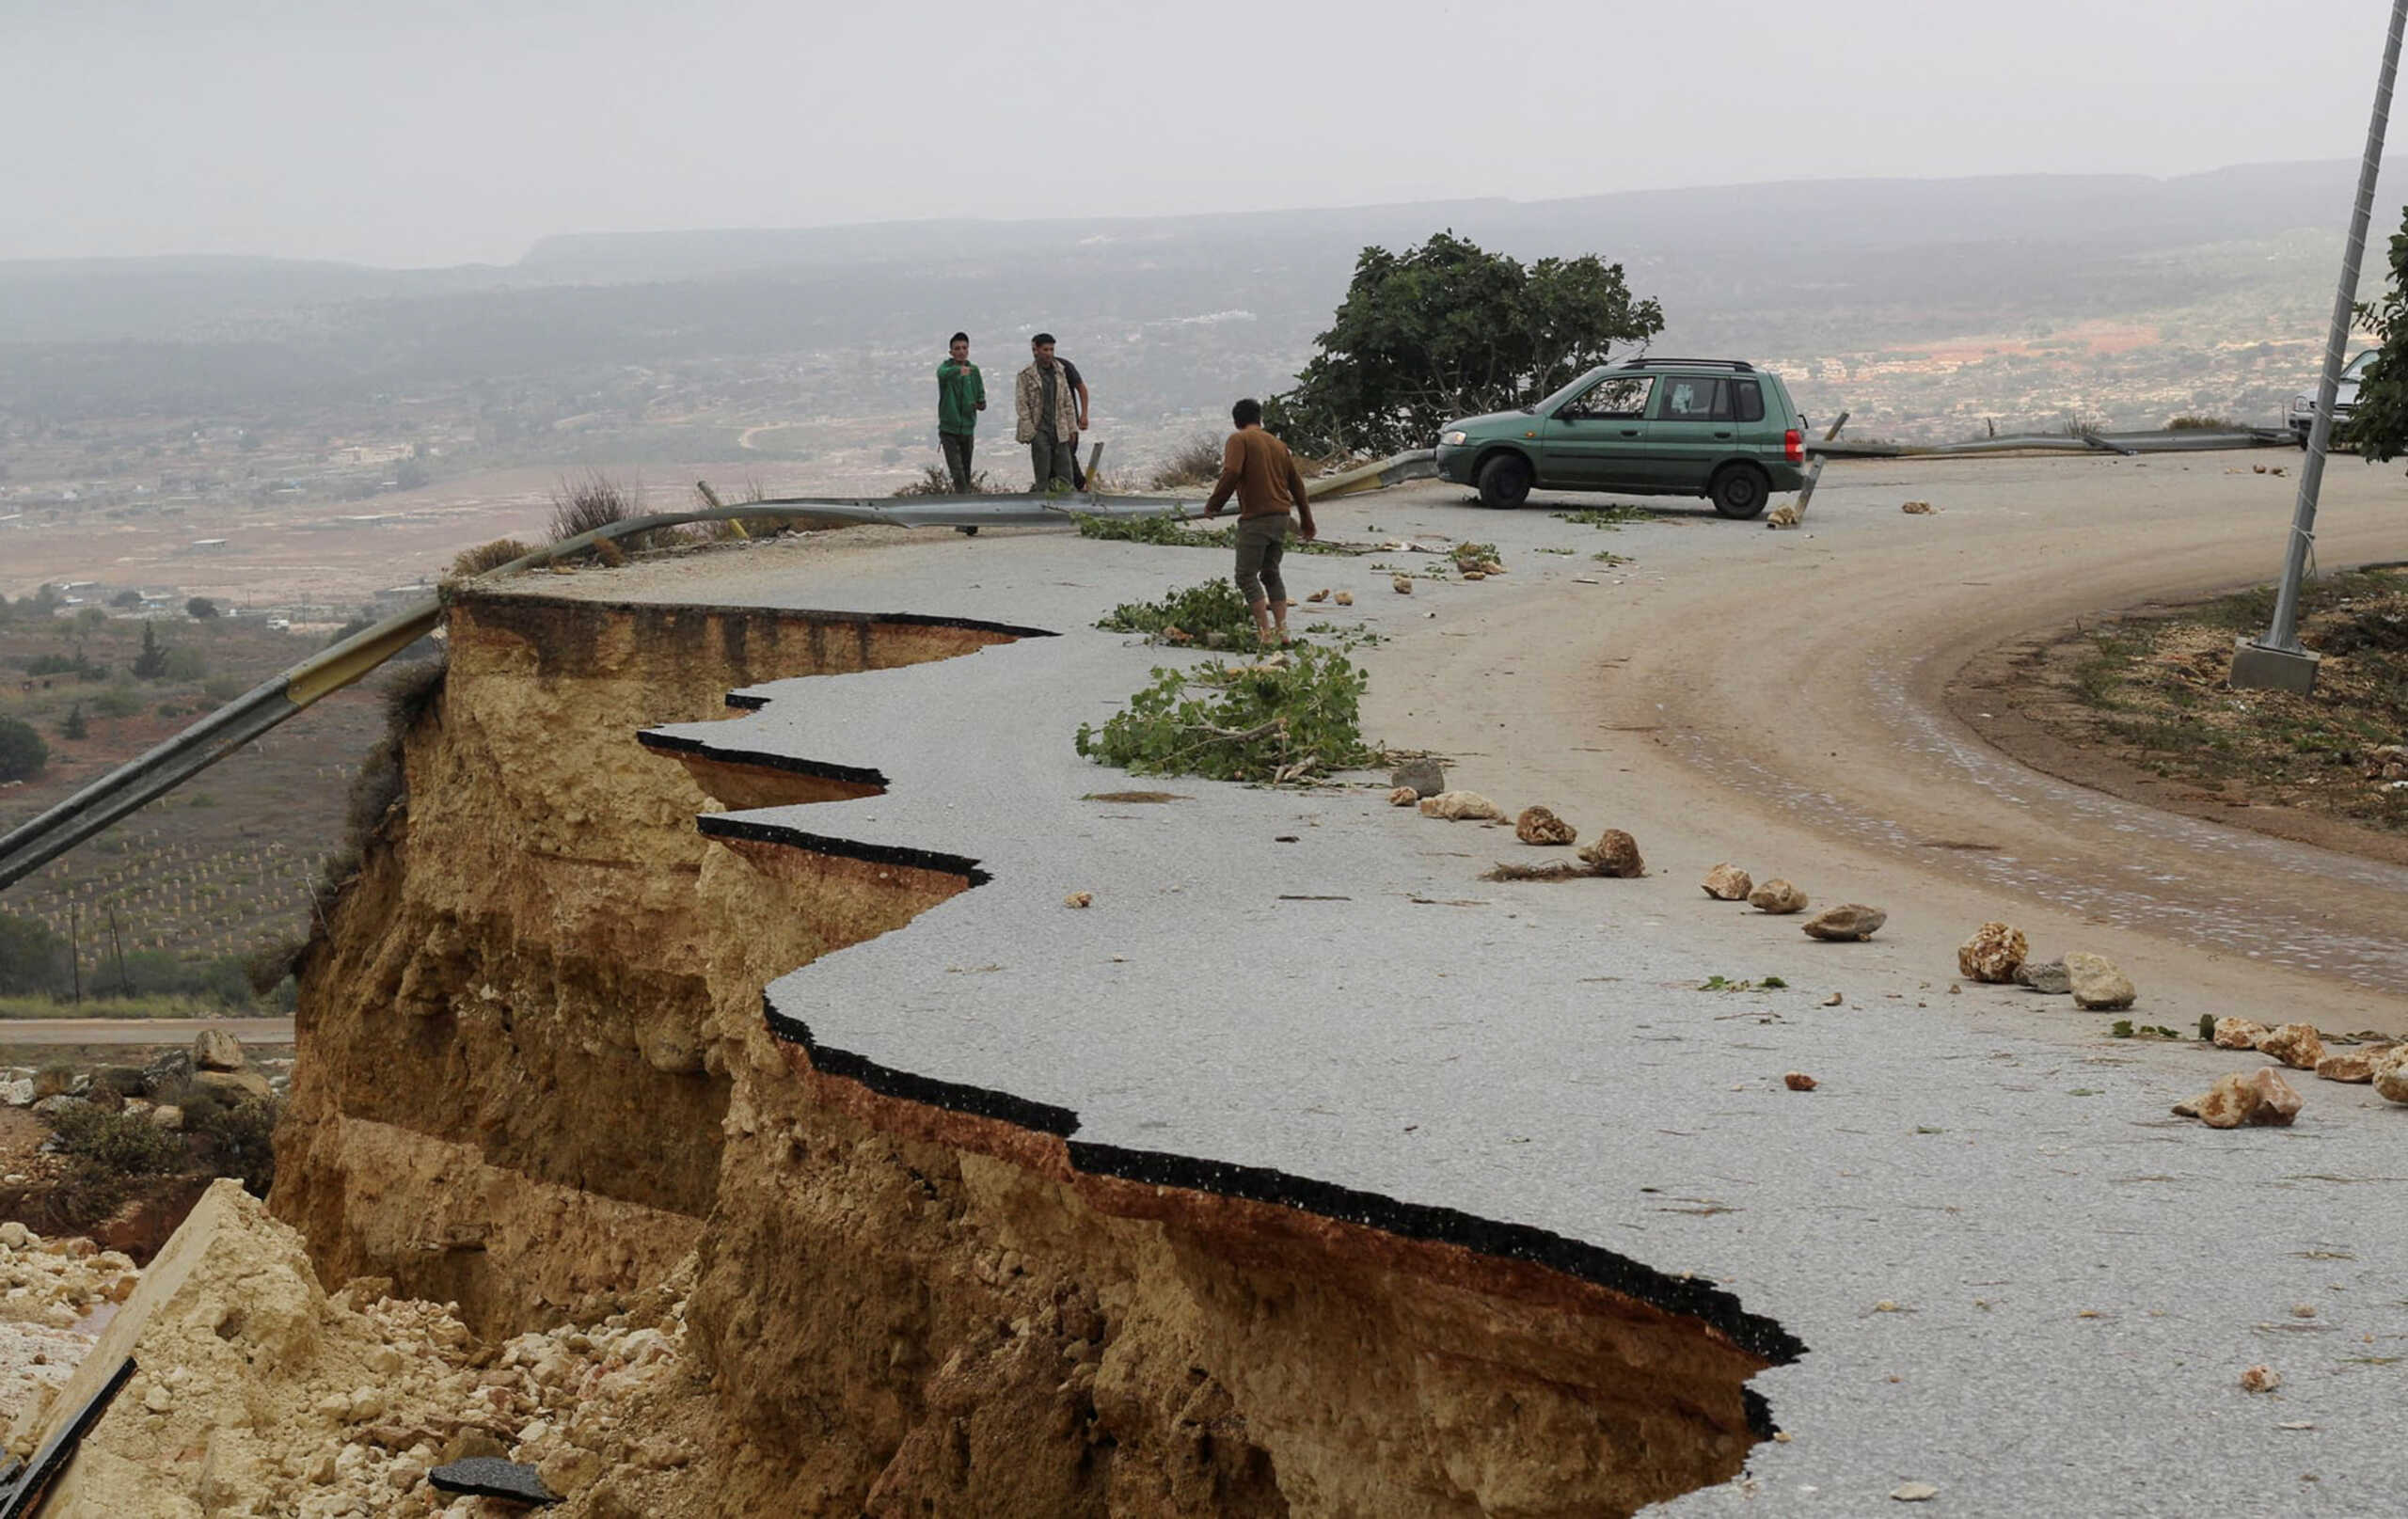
(1292,717)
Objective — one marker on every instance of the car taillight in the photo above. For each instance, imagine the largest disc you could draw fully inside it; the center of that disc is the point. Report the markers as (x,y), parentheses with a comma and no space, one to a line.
(1793,446)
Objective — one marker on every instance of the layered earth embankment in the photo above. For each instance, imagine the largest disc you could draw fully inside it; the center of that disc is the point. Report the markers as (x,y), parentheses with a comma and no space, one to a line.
(536,1074)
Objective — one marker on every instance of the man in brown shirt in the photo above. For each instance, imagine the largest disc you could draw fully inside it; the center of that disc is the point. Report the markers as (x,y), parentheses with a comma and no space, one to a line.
(1262,473)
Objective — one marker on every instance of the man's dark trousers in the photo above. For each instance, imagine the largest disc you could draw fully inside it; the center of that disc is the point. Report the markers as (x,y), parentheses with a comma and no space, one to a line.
(1053,460)
(957,458)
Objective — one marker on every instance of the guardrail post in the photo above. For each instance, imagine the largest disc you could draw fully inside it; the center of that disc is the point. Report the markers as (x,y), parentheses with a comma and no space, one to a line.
(1815,475)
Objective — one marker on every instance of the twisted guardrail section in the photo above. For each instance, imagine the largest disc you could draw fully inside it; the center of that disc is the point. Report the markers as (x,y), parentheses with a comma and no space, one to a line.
(143,779)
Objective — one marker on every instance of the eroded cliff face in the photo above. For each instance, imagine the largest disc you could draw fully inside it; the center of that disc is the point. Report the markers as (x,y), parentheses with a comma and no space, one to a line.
(511,1100)
(535,1072)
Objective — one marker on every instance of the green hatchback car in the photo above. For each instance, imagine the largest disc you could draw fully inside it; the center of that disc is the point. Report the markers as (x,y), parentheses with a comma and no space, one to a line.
(1719,428)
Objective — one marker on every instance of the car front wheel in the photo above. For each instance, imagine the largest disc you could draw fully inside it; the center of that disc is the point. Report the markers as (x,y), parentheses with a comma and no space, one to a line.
(1505,481)
(1741,492)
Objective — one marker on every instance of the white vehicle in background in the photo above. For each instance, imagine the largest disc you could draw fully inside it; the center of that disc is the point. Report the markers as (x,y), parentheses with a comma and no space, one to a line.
(2345,401)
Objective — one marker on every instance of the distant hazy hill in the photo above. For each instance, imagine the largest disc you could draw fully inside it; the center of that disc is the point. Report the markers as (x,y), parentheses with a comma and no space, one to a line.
(2227,204)
(1189,307)
(67,300)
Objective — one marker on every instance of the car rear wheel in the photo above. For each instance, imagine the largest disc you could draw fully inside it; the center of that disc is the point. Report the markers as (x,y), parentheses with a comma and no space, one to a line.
(1505,481)
(1741,492)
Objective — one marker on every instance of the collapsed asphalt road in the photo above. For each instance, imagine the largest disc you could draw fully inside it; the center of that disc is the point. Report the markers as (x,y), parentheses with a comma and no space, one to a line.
(2019,1279)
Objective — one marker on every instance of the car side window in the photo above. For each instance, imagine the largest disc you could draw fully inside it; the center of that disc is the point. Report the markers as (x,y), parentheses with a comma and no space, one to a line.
(1623,398)
(1693,398)
(1749,396)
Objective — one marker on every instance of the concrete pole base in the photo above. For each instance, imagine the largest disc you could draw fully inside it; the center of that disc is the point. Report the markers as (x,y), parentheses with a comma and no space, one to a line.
(2256,667)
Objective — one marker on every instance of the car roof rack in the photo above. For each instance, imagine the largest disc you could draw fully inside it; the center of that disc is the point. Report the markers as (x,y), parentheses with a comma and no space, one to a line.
(1651,361)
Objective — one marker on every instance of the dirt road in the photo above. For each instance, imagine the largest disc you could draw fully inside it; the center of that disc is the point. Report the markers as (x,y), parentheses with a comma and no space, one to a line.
(1777,698)
(98,1031)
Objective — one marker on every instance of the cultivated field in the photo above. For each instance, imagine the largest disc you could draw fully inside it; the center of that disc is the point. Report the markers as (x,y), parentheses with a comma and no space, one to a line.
(216,868)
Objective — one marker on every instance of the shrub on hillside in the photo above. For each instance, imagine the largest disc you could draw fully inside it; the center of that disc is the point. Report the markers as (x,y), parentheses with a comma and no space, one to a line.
(33,955)
(108,1153)
(66,664)
(82,1195)
(413,692)
(241,1137)
(23,752)
(128,1144)
(490,556)
(597,501)
(1197,462)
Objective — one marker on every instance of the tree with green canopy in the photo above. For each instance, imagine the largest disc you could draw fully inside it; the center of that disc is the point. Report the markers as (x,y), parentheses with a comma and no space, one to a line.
(1449,330)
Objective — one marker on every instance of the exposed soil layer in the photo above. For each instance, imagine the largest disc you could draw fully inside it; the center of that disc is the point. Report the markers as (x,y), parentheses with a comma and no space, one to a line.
(516,983)
(536,1073)
(2137,704)
(1106,1347)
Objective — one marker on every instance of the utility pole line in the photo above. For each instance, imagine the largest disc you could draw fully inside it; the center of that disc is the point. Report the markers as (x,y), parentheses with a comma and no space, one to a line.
(124,982)
(2276,660)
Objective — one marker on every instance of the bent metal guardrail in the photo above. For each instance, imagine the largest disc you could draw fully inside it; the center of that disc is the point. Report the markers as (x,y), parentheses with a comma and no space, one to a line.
(2163,440)
(145,779)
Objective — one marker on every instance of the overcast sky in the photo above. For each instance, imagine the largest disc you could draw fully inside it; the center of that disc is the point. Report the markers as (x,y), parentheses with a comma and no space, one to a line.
(447,131)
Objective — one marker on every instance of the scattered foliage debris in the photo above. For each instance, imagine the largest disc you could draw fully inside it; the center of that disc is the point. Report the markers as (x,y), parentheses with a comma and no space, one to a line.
(1294,716)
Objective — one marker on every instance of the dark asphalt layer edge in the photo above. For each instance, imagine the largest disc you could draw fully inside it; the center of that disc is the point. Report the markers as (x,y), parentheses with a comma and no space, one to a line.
(1688,1296)
(720,826)
(760,759)
(790,614)
(1042,1118)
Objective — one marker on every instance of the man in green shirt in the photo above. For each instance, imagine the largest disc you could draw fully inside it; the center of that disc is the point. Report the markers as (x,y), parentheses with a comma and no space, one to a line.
(962,395)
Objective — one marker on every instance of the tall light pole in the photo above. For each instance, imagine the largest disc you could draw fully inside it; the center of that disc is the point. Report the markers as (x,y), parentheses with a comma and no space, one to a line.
(2276,660)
